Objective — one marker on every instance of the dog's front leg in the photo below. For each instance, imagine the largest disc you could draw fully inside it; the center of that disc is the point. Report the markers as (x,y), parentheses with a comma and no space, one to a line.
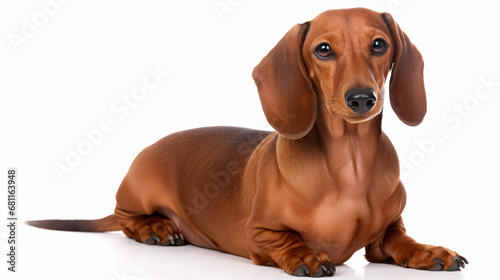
(288,251)
(396,246)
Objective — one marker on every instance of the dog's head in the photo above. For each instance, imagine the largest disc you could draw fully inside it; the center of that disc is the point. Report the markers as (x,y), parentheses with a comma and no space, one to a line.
(340,60)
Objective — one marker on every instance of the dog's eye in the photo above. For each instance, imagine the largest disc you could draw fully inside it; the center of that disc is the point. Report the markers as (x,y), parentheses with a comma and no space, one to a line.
(323,51)
(379,47)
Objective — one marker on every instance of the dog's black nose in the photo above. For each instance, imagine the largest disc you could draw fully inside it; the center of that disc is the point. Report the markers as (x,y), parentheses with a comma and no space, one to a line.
(360,100)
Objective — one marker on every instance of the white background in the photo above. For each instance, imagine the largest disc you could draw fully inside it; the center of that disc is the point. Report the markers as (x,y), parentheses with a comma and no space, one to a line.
(66,73)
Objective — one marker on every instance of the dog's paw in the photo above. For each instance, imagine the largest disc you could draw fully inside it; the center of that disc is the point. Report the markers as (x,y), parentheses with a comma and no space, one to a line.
(313,264)
(156,230)
(434,258)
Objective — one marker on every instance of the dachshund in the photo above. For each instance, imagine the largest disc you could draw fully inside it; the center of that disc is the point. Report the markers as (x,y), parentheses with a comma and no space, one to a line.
(306,197)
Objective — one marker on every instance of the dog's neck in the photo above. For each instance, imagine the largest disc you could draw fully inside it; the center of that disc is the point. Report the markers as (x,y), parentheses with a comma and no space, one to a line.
(348,152)
(350,148)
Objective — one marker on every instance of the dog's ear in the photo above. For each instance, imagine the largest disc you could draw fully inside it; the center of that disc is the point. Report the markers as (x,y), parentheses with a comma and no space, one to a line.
(406,88)
(285,89)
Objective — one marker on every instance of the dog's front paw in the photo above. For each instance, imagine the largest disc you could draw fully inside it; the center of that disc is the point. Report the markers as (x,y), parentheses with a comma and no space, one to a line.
(313,264)
(434,258)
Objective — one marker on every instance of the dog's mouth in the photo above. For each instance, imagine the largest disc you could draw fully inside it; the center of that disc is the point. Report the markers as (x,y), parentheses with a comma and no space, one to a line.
(359,119)
(349,115)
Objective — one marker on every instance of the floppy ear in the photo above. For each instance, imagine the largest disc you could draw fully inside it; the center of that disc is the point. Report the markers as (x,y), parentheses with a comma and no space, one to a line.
(285,89)
(406,88)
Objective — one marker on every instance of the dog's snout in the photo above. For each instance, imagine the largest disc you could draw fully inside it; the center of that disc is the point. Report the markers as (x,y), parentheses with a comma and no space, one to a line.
(360,100)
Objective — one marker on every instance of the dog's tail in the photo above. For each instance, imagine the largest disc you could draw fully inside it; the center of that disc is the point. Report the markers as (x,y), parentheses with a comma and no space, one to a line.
(108,223)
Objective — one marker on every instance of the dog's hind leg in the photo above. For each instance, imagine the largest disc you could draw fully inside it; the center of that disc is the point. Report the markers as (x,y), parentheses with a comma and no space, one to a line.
(138,213)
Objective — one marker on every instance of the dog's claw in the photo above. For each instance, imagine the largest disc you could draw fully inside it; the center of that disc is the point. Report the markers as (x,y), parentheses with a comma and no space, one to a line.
(179,239)
(324,270)
(169,242)
(330,269)
(463,261)
(321,271)
(153,239)
(303,270)
(460,262)
(171,239)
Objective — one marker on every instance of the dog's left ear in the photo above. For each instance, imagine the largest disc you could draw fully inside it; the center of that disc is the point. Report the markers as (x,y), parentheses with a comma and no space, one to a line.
(285,89)
(406,88)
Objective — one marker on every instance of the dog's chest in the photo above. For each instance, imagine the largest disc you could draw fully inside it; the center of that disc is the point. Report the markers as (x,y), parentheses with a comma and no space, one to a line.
(340,227)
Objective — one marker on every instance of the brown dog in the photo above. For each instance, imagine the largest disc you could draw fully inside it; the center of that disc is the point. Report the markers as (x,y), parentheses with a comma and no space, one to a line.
(309,196)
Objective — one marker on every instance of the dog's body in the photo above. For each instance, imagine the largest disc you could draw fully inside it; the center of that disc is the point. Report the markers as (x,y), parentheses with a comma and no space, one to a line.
(308,196)
(237,174)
